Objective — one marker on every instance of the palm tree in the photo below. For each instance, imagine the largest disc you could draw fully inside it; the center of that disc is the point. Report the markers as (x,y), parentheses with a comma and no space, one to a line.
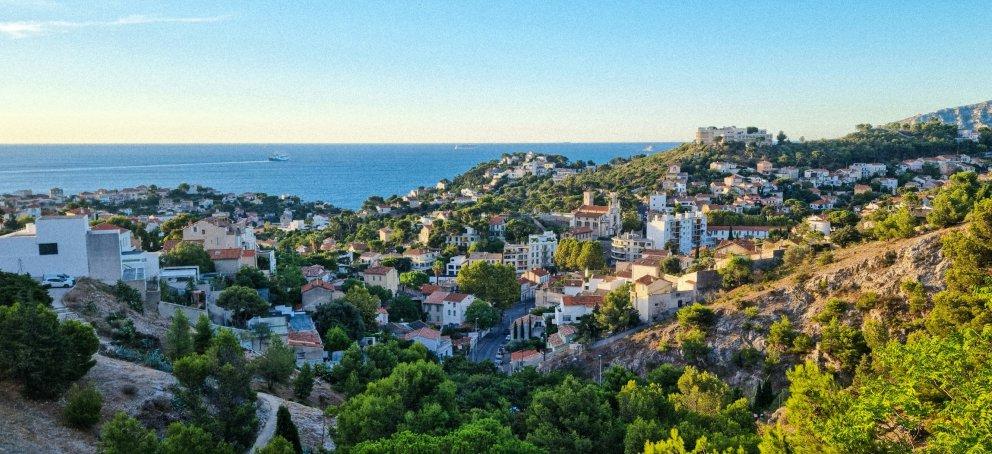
(437,267)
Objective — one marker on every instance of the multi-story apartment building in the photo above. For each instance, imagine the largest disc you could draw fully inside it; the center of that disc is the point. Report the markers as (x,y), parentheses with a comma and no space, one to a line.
(628,247)
(541,249)
(685,230)
(711,135)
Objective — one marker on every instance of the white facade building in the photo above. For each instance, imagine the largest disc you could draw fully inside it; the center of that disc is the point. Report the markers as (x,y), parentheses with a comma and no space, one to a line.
(686,230)
(52,245)
(541,249)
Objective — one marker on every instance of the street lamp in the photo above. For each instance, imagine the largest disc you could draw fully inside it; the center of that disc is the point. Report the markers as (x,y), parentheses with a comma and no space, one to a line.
(600,358)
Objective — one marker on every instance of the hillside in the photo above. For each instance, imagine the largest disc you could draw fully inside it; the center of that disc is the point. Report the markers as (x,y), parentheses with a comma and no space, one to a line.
(971,117)
(875,267)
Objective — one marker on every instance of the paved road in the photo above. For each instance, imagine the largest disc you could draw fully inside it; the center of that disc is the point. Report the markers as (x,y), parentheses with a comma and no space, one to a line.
(487,346)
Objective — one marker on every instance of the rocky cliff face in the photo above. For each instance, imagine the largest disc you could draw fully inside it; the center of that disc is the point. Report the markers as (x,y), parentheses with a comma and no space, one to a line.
(969,117)
(876,267)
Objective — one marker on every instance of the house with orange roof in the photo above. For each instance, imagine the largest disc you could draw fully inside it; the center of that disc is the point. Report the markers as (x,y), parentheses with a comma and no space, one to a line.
(317,292)
(228,262)
(574,307)
(383,276)
(439,345)
(524,358)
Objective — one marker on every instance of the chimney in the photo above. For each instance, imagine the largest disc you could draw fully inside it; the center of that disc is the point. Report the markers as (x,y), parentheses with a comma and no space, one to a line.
(587,197)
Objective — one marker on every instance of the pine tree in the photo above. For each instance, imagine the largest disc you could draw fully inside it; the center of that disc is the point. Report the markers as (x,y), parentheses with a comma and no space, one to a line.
(178,342)
(203,335)
(286,429)
(303,385)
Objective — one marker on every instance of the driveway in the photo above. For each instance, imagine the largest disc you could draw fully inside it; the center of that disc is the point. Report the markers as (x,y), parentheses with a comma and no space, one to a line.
(487,346)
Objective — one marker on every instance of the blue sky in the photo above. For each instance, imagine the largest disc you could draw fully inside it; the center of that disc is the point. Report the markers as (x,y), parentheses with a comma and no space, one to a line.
(466,71)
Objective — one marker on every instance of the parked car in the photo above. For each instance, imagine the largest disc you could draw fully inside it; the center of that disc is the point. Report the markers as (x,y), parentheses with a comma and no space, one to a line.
(58,281)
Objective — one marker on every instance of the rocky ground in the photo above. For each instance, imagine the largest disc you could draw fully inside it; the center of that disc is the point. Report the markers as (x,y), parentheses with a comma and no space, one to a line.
(28,426)
(877,267)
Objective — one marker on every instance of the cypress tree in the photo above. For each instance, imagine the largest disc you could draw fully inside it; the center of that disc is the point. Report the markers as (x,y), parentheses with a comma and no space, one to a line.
(286,429)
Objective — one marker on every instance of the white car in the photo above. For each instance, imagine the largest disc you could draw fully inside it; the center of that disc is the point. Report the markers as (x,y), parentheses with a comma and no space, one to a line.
(58,281)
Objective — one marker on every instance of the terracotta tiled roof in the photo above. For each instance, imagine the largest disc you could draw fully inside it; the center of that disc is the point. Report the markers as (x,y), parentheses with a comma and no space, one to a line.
(456,297)
(108,226)
(540,272)
(226,254)
(317,284)
(304,339)
(436,297)
(425,333)
(522,355)
(427,289)
(591,211)
(379,270)
(582,300)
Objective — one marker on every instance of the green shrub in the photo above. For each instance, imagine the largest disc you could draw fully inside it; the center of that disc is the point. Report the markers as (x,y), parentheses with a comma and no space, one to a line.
(696,316)
(127,295)
(83,407)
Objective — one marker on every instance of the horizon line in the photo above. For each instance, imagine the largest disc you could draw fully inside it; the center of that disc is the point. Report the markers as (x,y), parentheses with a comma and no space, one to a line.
(5,144)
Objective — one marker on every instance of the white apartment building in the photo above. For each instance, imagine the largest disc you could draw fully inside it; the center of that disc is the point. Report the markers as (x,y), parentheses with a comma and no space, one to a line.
(628,247)
(658,202)
(517,256)
(541,249)
(686,230)
(711,135)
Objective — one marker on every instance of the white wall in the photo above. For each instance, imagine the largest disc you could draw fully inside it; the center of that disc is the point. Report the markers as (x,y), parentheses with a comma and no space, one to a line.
(19,253)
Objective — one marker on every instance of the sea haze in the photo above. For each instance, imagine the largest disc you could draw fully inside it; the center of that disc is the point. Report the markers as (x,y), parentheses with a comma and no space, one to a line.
(342,174)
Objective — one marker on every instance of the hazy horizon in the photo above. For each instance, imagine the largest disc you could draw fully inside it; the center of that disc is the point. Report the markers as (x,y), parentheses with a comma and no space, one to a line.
(476,72)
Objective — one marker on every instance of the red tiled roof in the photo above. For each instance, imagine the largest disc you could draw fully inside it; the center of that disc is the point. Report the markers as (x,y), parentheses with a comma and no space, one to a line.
(424,332)
(555,340)
(427,289)
(317,284)
(436,297)
(540,272)
(567,330)
(108,226)
(456,297)
(379,270)
(229,254)
(304,339)
(521,355)
(645,280)
(582,300)
(591,211)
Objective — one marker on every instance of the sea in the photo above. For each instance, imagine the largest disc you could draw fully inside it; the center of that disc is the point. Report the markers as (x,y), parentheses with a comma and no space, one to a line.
(344,175)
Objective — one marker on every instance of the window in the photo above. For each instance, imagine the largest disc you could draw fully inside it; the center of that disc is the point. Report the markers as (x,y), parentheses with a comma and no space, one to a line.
(48,249)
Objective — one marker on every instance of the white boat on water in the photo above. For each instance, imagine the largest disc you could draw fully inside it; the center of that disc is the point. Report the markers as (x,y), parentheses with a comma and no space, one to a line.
(649,148)
(278,157)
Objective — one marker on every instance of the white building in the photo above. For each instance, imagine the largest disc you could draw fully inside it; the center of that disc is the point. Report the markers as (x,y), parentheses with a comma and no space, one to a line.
(541,249)
(711,135)
(818,224)
(52,245)
(573,307)
(686,230)
(628,247)
(658,202)
(67,245)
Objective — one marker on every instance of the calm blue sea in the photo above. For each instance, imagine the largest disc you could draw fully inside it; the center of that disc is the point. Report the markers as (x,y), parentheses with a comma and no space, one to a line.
(344,175)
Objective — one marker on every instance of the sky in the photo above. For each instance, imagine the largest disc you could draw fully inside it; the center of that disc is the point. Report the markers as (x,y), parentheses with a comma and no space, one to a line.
(477,71)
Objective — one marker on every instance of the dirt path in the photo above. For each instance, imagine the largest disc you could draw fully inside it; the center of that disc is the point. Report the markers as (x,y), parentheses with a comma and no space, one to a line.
(268,429)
